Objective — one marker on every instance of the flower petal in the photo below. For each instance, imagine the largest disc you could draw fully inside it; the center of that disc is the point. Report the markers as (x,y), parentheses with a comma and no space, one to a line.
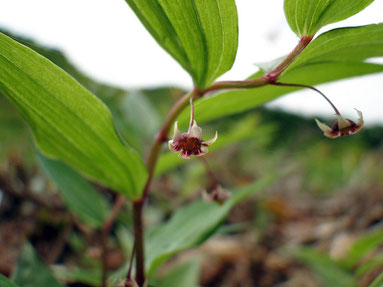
(195,131)
(184,155)
(342,122)
(211,141)
(173,146)
(360,119)
(204,150)
(177,134)
(323,127)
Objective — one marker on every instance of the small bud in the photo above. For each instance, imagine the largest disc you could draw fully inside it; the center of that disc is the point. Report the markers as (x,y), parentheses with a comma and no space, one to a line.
(218,194)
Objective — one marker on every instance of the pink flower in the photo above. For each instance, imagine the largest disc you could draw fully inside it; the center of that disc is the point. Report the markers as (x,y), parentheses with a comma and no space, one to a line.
(342,127)
(190,143)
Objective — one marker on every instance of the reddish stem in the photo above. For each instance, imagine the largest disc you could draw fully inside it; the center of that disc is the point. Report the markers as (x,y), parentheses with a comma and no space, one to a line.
(303,43)
(308,87)
(139,242)
(163,135)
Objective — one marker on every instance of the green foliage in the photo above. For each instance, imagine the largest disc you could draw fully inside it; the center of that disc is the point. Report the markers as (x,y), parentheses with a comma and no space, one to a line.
(78,275)
(328,271)
(187,273)
(362,247)
(193,224)
(378,282)
(31,272)
(79,196)
(67,121)
(201,35)
(234,102)
(320,63)
(4,282)
(12,129)
(354,45)
(135,115)
(306,17)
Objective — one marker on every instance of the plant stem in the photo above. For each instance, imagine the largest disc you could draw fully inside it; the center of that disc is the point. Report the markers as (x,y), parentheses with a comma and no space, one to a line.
(151,163)
(246,84)
(139,242)
(303,43)
(162,136)
(266,79)
(311,88)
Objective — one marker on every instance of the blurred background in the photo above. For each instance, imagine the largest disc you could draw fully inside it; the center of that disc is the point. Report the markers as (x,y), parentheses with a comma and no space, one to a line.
(321,225)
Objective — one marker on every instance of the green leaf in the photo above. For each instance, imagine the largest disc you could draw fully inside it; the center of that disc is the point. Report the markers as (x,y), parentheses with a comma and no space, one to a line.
(354,44)
(67,121)
(31,272)
(335,55)
(187,273)
(78,275)
(192,225)
(378,282)
(373,263)
(306,17)
(201,35)
(5,282)
(362,247)
(328,271)
(79,196)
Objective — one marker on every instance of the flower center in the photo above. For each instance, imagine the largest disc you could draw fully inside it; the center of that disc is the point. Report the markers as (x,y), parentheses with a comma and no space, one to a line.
(190,144)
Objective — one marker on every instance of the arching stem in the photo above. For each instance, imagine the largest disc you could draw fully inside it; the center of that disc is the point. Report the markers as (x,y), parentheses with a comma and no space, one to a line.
(308,87)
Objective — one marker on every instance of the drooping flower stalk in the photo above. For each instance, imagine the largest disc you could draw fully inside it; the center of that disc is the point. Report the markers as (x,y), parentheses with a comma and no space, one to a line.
(342,127)
(311,88)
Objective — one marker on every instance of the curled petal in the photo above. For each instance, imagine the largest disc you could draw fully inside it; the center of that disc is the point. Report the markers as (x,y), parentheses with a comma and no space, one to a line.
(325,128)
(360,119)
(177,134)
(204,150)
(195,131)
(211,141)
(173,147)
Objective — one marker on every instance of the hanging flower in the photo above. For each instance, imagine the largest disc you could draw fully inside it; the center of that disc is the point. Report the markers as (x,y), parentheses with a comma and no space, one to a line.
(342,127)
(190,143)
(218,194)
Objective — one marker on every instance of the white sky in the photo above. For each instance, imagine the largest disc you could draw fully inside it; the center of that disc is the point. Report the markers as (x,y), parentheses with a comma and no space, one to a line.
(106,41)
